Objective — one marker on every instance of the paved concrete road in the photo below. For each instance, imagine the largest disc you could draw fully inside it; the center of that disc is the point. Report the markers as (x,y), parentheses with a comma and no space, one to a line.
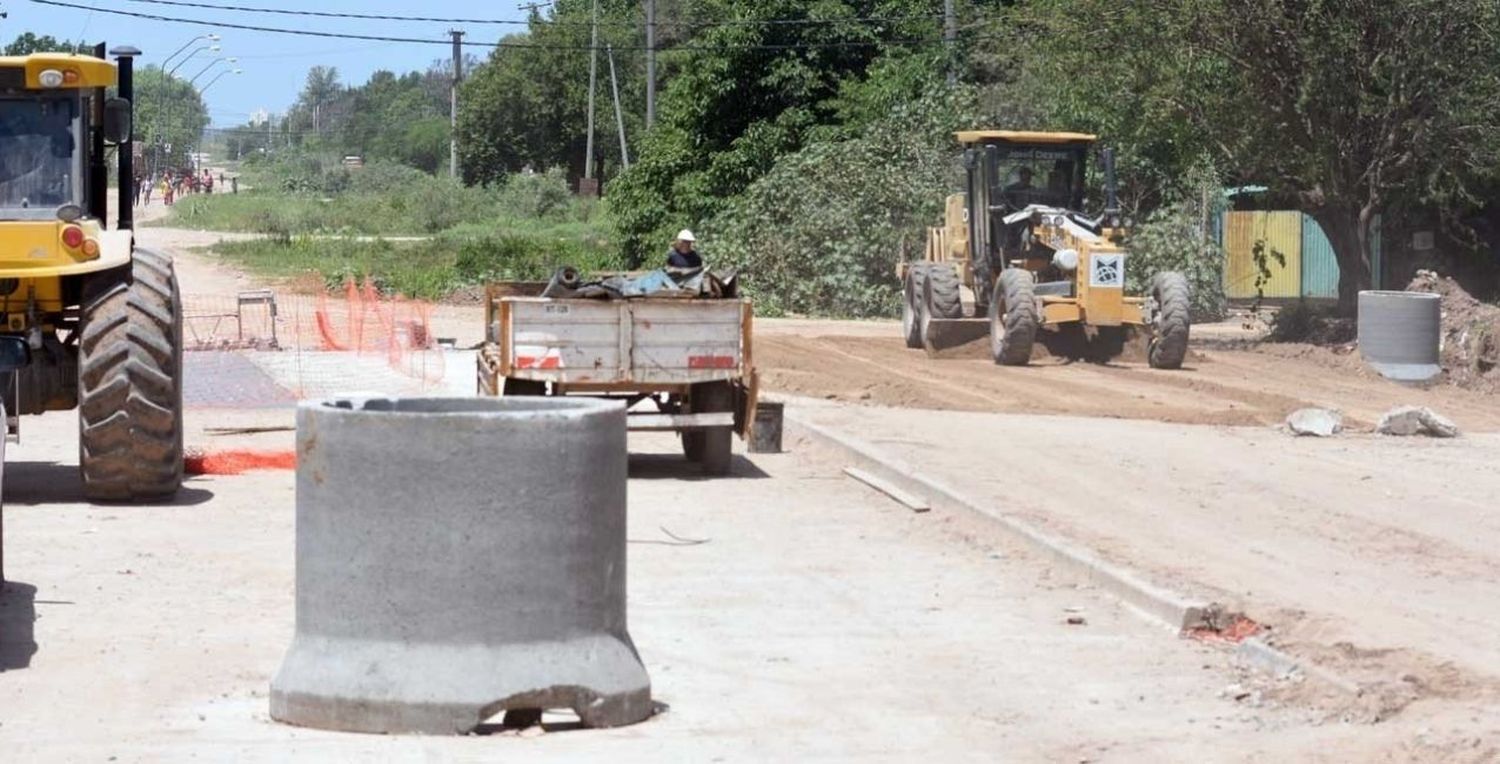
(818,621)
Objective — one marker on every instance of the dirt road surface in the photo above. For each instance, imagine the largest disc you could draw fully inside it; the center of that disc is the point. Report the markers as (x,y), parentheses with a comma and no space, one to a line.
(1218,386)
(823,621)
(1366,554)
(820,620)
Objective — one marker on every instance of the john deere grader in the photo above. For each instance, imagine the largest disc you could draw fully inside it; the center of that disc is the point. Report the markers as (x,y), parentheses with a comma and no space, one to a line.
(1019,240)
(87,319)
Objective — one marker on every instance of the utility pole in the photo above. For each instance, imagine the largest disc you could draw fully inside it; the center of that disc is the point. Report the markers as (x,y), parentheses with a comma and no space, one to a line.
(588,151)
(950,35)
(614,87)
(651,63)
(458,76)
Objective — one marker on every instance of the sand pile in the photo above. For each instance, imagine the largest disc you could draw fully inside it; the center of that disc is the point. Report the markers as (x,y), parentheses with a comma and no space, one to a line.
(1471,333)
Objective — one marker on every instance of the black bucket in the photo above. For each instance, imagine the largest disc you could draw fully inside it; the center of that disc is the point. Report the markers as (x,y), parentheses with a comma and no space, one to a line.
(765,437)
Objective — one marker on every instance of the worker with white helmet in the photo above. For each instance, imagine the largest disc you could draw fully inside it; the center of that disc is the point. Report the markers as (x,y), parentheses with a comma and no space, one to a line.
(682,254)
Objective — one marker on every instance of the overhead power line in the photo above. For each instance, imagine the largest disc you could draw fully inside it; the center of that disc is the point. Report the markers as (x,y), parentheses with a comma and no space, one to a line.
(523,22)
(502,44)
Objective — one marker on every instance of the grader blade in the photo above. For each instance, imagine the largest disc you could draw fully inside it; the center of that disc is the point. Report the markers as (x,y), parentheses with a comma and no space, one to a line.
(941,334)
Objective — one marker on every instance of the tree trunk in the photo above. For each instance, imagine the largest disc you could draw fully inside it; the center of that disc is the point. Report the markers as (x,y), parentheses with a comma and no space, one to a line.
(1348,230)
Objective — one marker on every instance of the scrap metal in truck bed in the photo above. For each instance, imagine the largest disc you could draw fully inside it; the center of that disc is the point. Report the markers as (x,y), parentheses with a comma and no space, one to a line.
(690,356)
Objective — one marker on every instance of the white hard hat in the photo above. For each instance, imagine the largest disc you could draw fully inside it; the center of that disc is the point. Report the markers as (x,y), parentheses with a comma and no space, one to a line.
(685,235)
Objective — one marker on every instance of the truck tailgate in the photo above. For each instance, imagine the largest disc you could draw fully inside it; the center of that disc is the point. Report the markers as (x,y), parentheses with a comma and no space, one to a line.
(647,341)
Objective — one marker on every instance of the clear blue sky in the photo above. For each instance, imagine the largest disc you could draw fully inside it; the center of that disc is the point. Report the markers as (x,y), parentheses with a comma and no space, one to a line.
(274,64)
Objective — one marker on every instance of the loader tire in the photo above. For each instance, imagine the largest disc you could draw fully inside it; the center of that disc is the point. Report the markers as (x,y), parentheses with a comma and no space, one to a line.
(911,304)
(130,383)
(1169,330)
(715,445)
(1013,318)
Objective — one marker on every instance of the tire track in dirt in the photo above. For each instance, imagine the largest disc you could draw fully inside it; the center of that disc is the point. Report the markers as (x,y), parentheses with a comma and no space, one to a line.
(1217,387)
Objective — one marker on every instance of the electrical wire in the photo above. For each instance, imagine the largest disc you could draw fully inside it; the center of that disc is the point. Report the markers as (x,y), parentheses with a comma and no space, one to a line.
(506,45)
(519,22)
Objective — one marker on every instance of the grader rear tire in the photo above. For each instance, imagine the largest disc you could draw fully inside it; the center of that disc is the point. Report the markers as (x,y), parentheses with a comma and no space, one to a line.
(911,304)
(1169,339)
(130,383)
(941,294)
(1013,319)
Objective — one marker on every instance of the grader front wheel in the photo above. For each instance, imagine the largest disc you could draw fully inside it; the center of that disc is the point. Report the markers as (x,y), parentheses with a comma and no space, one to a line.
(911,304)
(1171,322)
(1013,318)
(130,383)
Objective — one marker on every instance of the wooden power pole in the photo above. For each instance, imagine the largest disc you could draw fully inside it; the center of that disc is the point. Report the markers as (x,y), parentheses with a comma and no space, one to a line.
(458,76)
(651,63)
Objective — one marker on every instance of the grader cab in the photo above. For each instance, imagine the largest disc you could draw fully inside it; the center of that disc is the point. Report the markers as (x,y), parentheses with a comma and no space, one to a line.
(1018,239)
(87,319)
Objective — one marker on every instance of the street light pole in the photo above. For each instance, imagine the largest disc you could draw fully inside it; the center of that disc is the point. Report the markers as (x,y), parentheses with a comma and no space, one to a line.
(211,82)
(204,70)
(168,59)
(189,57)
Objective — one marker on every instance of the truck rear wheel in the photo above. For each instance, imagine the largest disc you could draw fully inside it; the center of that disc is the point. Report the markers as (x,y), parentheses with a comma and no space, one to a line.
(714,445)
(1013,319)
(911,304)
(130,383)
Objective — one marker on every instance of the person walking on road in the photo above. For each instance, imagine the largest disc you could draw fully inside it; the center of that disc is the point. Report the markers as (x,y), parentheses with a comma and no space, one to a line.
(683,254)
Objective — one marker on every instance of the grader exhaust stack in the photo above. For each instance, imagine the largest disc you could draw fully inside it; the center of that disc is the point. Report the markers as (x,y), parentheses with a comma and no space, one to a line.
(1018,240)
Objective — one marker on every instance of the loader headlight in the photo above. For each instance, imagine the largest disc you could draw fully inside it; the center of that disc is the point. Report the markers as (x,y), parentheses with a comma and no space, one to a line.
(50,78)
(1065,259)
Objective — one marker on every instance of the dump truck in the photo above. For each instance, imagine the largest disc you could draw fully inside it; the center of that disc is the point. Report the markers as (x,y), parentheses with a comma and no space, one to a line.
(686,351)
(1017,238)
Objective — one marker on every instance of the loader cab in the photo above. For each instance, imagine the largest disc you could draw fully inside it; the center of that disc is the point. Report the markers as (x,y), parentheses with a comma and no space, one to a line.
(1008,171)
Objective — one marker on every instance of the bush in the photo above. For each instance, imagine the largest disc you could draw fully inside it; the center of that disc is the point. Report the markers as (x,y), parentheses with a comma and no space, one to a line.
(1178,237)
(820,234)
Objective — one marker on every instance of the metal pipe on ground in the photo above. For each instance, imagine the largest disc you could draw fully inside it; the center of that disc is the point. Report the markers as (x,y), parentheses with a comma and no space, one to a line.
(456,558)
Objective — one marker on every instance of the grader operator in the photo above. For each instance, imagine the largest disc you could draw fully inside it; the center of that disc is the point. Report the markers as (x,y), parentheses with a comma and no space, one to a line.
(1018,238)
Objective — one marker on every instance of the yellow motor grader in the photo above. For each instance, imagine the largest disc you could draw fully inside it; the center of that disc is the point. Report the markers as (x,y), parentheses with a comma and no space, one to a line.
(1018,238)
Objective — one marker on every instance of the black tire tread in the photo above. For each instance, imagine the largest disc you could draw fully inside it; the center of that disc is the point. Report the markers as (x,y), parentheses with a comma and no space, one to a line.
(714,446)
(911,307)
(942,294)
(130,384)
(1014,295)
(1169,342)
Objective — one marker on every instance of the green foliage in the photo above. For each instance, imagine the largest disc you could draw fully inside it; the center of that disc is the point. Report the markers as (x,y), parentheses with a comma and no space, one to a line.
(28,42)
(1179,237)
(427,269)
(169,118)
(821,232)
(1345,108)
(313,195)
(731,110)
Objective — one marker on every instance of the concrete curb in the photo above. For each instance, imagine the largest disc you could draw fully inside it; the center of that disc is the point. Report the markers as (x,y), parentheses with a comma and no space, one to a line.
(1169,608)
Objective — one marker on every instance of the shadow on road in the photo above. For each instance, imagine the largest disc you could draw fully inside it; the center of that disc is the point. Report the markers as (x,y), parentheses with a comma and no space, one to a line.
(33,483)
(17,625)
(674,467)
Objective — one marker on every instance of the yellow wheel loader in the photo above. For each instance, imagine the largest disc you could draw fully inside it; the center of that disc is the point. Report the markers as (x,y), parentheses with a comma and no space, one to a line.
(87,319)
(1018,238)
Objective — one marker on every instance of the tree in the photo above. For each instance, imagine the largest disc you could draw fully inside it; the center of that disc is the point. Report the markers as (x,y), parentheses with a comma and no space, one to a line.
(28,42)
(169,117)
(1347,109)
